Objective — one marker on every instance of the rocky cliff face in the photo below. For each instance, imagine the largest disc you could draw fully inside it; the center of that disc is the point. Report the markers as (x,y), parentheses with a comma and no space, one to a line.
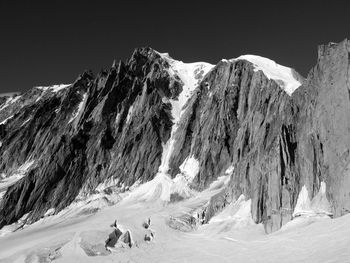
(133,120)
(286,143)
(243,119)
(324,126)
(111,125)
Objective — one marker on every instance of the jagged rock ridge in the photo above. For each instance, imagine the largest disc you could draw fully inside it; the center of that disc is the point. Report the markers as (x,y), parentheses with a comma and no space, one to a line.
(115,125)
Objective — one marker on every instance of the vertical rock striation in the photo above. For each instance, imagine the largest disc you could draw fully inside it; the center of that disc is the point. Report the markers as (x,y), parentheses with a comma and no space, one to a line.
(114,126)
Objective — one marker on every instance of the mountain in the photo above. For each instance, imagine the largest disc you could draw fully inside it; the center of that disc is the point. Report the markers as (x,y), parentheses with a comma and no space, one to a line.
(165,130)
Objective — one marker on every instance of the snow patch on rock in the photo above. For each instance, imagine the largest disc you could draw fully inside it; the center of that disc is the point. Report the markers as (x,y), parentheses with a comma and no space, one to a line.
(131,109)
(106,184)
(190,168)
(80,107)
(49,212)
(9,101)
(229,170)
(6,120)
(117,118)
(21,171)
(54,88)
(26,121)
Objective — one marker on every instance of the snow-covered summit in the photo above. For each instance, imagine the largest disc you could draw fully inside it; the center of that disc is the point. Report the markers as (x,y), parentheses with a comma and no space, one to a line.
(285,77)
(192,73)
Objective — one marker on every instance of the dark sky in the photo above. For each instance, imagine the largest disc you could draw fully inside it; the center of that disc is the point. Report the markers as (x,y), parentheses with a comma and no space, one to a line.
(51,42)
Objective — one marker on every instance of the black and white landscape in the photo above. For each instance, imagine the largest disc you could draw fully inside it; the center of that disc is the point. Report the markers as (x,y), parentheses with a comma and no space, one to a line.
(244,160)
(117,145)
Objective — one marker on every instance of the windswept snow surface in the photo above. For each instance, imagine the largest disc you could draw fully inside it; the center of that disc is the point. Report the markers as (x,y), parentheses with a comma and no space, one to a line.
(284,76)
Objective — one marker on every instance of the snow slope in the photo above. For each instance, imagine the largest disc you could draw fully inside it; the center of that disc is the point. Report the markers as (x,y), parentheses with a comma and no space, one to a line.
(284,76)
(80,238)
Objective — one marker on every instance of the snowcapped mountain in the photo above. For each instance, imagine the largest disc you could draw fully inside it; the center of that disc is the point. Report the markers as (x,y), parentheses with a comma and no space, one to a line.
(229,151)
(288,79)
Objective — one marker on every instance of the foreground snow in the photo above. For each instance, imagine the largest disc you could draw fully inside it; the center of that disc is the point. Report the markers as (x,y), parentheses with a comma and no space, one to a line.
(231,236)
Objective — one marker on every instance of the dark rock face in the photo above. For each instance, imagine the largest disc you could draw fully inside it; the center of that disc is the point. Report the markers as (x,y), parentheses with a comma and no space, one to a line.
(114,125)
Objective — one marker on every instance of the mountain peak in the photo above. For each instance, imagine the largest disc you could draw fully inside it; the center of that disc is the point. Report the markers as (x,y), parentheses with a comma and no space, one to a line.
(287,78)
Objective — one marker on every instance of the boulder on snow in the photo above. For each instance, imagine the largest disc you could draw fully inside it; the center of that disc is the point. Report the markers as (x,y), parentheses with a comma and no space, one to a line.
(113,238)
(149,237)
(114,225)
(117,238)
(126,238)
(147,223)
